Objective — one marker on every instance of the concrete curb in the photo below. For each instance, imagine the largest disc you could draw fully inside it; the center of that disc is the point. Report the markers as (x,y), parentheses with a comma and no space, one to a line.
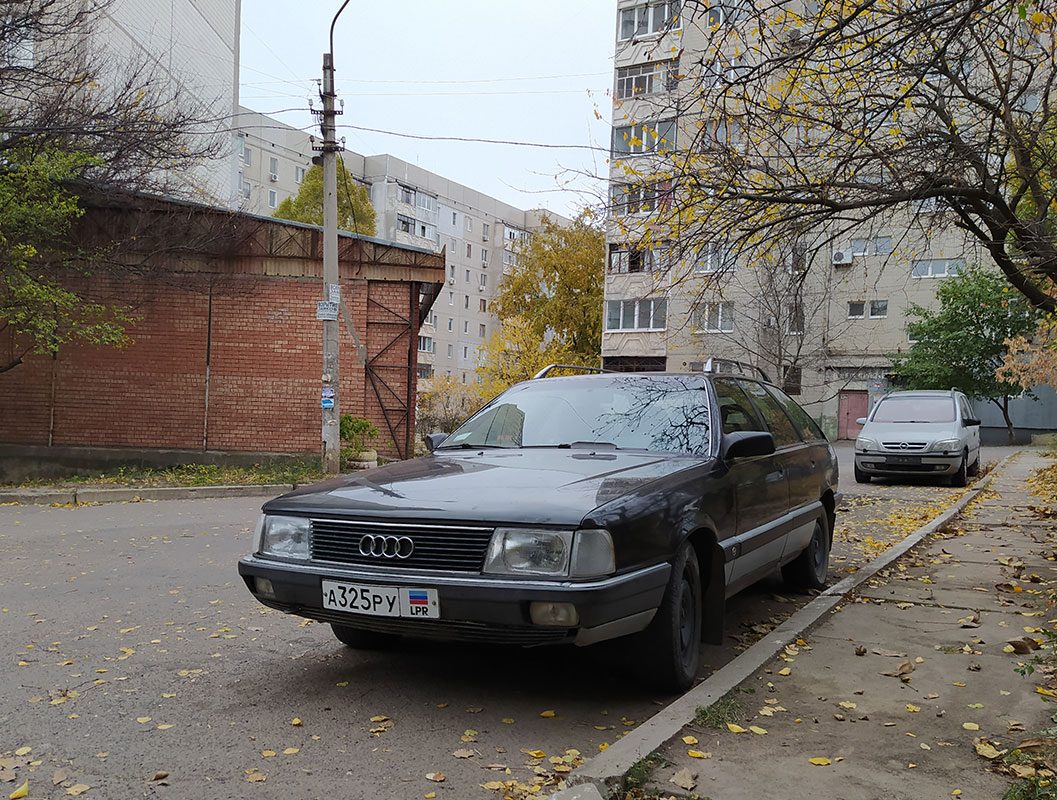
(90,494)
(606,771)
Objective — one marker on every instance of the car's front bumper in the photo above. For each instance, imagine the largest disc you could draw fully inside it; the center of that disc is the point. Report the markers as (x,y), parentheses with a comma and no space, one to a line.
(472,607)
(880,463)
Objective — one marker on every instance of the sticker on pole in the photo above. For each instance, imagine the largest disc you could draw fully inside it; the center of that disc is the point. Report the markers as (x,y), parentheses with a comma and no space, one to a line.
(327,311)
(327,402)
(334,292)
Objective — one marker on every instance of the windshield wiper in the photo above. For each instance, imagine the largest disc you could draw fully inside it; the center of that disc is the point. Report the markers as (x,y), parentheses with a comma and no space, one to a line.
(468,446)
(607,445)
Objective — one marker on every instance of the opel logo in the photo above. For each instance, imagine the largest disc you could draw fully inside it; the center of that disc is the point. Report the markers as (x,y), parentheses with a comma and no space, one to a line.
(903,445)
(386,546)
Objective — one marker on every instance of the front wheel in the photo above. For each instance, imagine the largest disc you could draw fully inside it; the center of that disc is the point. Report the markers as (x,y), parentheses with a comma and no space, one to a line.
(860,476)
(669,650)
(810,569)
(960,477)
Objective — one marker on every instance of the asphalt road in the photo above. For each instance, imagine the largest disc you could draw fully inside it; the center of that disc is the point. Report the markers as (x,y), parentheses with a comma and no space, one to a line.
(133,648)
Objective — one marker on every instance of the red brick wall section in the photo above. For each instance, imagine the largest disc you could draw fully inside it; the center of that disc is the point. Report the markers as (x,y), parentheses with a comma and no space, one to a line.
(266,364)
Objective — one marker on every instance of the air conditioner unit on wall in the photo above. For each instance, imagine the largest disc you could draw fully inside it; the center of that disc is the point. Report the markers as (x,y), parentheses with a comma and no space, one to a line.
(841,258)
(273,177)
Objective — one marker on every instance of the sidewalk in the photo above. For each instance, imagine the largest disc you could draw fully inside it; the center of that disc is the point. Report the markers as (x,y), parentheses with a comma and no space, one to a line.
(894,691)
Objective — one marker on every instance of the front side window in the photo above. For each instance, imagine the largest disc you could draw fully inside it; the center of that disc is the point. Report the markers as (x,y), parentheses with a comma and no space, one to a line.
(777,421)
(634,411)
(735,409)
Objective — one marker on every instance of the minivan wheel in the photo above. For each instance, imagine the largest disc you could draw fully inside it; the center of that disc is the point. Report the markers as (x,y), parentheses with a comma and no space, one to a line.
(860,476)
(959,478)
(360,639)
(669,650)
(810,569)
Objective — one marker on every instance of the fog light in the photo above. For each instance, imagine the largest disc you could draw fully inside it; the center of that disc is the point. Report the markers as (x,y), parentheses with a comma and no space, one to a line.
(264,587)
(560,615)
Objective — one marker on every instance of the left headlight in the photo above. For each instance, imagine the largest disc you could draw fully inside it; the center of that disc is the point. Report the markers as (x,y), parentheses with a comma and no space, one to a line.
(525,551)
(946,444)
(284,536)
(864,443)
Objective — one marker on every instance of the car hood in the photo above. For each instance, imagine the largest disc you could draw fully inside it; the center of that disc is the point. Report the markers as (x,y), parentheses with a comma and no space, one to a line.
(909,431)
(544,486)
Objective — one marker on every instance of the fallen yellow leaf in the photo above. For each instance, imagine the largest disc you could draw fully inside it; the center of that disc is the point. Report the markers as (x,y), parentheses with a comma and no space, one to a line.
(912,708)
(429,795)
(970,726)
(689,740)
(785,671)
(603,747)
(267,753)
(757,730)
(23,751)
(507,721)
(820,761)
(698,754)
(79,788)
(21,791)
(296,722)
(1044,691)
(289,751)
(142,720)
(548,714)
(164,727)
(735,728)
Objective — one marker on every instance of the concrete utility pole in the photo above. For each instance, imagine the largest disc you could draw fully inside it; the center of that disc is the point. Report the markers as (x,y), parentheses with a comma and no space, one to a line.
(327,311)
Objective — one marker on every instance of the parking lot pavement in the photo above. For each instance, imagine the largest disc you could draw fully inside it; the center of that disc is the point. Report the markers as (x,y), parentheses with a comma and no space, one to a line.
(133,649)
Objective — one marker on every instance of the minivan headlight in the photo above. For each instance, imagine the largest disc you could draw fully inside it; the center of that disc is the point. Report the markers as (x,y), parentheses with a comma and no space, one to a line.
(865,443)
(284,536)
(558,554)
(946,444)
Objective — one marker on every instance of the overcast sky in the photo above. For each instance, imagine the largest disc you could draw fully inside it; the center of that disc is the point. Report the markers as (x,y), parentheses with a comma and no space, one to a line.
(536,72)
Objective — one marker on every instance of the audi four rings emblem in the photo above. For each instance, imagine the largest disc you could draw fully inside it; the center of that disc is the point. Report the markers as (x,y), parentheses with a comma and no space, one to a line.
(386,546)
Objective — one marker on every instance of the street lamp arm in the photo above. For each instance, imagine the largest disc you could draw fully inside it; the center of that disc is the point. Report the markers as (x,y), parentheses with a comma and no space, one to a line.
(334,22)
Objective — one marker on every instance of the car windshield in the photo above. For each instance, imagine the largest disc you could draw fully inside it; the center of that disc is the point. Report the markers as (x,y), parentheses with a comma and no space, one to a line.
(915,409)
(668,414)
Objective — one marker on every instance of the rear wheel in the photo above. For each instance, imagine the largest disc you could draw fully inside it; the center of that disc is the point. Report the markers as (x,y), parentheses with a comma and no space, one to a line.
(810,569)
(669,650)
(361,639)
(959,478)
(860,476)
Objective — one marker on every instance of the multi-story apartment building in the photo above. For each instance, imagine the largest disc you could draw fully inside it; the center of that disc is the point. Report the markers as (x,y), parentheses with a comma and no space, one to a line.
(820,316)
(193,46)
(480,235)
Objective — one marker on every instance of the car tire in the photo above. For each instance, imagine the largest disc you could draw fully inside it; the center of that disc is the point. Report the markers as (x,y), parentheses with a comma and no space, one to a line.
(810,569)
(668,652)
(974,468)
(960,477)
(359,639)
(860,476)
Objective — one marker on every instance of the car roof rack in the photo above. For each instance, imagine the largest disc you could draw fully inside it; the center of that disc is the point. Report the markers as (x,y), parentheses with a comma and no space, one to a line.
(546,370)
(730,366)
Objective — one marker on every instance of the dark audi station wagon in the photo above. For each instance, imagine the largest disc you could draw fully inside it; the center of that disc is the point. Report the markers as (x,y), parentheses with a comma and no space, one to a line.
(568,510)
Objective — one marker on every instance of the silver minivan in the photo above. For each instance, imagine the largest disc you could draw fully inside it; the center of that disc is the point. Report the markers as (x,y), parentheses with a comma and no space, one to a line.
(919,433)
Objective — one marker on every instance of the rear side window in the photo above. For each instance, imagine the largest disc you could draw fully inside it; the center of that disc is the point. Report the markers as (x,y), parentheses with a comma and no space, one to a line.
(735,408)
(777,421)
(808,428)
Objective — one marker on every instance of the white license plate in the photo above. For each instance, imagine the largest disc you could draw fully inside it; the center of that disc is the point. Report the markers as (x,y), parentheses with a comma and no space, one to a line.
(381,601)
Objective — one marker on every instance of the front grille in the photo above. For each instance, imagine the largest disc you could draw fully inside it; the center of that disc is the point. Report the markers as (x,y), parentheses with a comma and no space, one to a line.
(446,630)
(447,547)
(909,467)
(909,446)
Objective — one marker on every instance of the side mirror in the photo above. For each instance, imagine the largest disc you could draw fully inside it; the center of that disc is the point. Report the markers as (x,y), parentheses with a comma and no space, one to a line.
(742,444)
(860,421)
(433,440)
(971,421)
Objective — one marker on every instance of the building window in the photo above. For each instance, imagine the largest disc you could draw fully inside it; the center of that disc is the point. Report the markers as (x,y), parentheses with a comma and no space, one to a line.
(465,354)
(937,267)
(650,18)
(247,156)
(454,219)
(272,198)
(273,165)
(713,257)
(713,317)
(792,379)
(726,132)
(406,194)
(465,326)
(648,314)
(467,276)
(624,258)
(451,350)
(481,330)
(856,309)
(469,250)
(878,309)
(794,324)
(427,202)
(645,79)
(486,231)
(451,298)
(427,231)
(299,174)
(875,246)
(508,258)
(484,280)
(469,225)
(425,371)
(644,137)
(641,198)
(466,301)
(484,257)
(453,245)
(451,321)
(511,235)
(451,270)
(425,344)
(405,224)
(484,304)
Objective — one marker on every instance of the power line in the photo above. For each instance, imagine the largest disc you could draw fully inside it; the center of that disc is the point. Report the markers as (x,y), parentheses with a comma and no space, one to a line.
(475,140)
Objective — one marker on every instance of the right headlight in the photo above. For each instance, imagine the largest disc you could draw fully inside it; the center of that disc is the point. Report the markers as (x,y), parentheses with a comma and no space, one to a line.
(865,443)
(558,554)
(284,536)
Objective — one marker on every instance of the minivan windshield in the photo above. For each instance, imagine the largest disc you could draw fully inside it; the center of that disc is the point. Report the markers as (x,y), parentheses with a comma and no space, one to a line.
(914,409)
(668,414)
